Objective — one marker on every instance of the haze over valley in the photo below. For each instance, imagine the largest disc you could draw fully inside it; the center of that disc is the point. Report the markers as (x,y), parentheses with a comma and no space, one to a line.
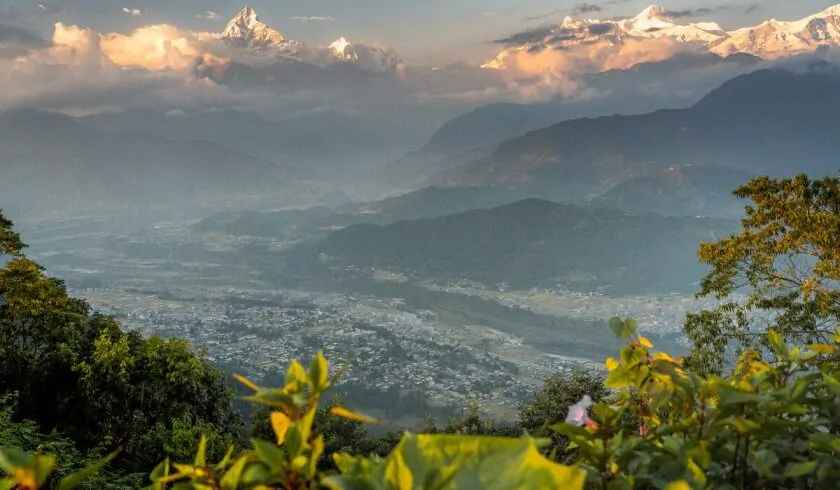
(455,226)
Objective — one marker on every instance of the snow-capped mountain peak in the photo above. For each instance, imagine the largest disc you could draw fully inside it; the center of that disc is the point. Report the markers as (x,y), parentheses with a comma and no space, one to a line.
(366,56)
(772,39)
(651,13)
(340,46)
(246,29)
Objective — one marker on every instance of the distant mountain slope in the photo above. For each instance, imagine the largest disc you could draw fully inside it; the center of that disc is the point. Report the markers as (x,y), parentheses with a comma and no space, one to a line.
(535,242)
(679,82)
(291,224)
(770,121)
(48,155)
(679,191)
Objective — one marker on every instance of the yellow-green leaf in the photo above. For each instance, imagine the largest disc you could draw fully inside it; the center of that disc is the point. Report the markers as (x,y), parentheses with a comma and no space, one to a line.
(247,382)
(280,423)
(678,485)
(347,414)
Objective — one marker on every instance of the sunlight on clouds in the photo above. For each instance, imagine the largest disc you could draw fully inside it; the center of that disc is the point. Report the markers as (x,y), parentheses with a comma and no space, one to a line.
(551,71)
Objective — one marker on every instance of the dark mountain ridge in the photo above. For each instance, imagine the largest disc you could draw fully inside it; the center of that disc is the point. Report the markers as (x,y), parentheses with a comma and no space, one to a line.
(534,242)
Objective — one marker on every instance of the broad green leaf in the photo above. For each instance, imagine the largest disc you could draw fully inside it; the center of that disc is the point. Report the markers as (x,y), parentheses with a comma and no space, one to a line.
(488,463)
(12,458)
(622,328)
(75,479)
(736,397)
(269,453)
(797,470)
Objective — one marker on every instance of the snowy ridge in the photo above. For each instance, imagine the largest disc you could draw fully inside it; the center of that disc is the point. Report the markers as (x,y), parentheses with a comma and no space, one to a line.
(770,40)
(246,30)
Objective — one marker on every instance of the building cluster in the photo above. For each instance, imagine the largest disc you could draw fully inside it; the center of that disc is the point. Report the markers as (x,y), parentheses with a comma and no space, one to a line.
(386,349)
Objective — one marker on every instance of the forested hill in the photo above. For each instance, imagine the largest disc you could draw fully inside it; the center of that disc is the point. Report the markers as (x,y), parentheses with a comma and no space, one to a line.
(533,242)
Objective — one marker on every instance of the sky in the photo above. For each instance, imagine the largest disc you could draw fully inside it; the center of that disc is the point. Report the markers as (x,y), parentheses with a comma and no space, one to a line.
(427,31)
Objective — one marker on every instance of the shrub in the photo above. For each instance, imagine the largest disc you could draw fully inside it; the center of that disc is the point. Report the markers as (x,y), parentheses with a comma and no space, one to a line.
(771,424)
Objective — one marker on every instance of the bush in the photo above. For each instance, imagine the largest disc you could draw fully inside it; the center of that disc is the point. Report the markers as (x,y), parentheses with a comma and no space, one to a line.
(771,424)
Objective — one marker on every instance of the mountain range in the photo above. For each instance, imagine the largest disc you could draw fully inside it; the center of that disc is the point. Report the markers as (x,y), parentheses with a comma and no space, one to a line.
(773,121)
(769,40)
(246,30)
(675,83)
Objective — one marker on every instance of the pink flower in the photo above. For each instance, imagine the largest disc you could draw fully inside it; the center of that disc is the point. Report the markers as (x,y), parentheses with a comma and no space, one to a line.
(577,412)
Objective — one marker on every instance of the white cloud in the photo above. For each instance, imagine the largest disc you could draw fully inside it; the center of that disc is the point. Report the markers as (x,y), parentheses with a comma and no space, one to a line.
(314,18)
(132,12)
(210,15)
(84,69)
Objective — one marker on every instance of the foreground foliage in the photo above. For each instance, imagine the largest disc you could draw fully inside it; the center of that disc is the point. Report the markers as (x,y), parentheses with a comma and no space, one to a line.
(772,423)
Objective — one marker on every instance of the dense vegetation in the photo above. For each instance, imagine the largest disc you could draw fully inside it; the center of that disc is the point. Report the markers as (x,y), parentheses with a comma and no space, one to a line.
(75,387)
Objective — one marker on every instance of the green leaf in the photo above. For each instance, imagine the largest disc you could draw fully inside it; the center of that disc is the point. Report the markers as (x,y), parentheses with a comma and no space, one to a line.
(797,470)
(12,458)
(295,373)
(488,463)
(623,328)
(75,479)
(270,454)
(736,397)
(777,344)
(230,481)
(318,371)
(200,460)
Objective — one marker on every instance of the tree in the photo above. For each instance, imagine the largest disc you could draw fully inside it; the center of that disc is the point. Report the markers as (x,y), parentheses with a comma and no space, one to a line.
(79,373)
(786,263)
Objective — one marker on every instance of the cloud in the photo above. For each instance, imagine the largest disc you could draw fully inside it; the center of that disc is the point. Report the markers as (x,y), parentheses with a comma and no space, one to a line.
(527,36)
(314,18)
(210,15)
(80,69)
(545,73)
(132,12)
(16,41)
(585,8)
(580,8)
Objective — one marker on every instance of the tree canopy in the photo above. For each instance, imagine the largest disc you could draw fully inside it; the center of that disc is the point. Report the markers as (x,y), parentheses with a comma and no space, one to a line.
(79,373)
(785,264)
